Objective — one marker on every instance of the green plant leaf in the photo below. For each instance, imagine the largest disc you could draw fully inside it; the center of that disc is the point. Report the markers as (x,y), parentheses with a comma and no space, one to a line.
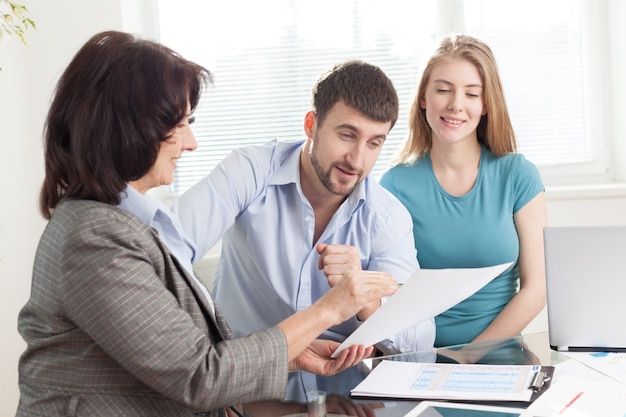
(13,20)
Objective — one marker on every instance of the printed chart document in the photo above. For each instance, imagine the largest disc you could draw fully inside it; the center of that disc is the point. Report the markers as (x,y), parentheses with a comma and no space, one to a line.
(446,381)
(612,364)
(426,294)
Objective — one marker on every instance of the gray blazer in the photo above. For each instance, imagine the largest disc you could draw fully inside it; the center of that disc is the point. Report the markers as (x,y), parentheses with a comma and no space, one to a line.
(116,327)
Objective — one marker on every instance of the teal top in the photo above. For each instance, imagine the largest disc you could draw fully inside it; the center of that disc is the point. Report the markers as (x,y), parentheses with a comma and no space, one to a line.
(474,230)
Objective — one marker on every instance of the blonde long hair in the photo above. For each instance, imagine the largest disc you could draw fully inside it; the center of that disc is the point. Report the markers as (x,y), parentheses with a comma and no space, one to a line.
(495,130)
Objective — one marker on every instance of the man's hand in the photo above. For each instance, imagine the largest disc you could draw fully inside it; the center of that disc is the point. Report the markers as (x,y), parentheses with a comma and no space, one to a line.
(316,357)
(337,259)
(362,288)
(334,261)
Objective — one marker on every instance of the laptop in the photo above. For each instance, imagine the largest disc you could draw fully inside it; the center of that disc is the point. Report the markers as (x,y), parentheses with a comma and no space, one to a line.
(586,288)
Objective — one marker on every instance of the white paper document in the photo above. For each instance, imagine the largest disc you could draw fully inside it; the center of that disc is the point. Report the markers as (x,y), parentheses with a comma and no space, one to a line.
(445,381)
(426,294)
(575,397)
(612,364)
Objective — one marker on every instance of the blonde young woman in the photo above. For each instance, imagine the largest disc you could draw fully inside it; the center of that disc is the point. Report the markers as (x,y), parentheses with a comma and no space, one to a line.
(475,202)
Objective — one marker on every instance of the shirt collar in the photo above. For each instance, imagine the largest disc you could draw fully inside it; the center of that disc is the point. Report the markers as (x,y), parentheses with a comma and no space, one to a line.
(144,206)
(358,195)
(289,172)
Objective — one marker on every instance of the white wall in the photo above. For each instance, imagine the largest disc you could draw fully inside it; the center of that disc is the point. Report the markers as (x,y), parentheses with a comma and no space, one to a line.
(26,83)
(19,224)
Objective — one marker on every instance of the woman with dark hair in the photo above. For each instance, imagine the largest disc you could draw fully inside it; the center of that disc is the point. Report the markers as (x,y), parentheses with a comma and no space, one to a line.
(117,322)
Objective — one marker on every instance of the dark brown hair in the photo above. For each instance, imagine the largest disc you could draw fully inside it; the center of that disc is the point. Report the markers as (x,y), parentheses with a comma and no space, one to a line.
(116,101)
(360,85)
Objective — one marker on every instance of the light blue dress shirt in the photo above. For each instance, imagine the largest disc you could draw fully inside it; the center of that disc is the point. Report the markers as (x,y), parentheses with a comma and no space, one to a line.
(152,212)
(268,266)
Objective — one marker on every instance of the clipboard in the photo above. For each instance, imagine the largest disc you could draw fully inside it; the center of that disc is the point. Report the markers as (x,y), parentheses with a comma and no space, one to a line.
(476,383)
(541,382)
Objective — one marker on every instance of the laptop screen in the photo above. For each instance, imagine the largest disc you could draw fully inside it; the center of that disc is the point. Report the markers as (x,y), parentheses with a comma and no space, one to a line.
(586,287)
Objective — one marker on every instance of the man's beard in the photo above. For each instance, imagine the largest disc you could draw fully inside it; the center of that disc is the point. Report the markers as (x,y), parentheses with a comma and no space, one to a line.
(325,177)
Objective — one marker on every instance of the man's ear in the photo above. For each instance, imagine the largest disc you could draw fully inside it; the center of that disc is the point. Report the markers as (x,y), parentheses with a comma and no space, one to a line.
(309,123)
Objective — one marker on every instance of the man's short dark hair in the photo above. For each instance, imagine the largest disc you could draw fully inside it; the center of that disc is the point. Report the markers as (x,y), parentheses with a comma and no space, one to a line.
(360,85)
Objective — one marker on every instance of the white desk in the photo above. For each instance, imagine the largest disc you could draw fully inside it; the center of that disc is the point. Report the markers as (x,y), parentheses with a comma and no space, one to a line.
(522,350)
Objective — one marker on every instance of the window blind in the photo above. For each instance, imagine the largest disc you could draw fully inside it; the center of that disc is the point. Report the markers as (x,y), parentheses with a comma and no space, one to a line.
(266,56)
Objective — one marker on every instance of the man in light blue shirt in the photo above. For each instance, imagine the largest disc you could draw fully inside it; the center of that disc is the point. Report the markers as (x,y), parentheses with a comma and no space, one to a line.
(293,216)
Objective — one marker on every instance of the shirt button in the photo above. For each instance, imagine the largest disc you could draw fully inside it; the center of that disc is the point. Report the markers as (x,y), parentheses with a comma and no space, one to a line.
(307,219)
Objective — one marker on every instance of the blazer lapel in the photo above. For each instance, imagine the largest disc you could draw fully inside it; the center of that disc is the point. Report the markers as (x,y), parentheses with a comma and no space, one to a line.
(216,320)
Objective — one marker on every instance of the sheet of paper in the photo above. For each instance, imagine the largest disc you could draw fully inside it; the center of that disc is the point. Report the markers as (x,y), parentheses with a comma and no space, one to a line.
(612,364)
(576,369)
(446,381)
(423,296)
(575,397)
